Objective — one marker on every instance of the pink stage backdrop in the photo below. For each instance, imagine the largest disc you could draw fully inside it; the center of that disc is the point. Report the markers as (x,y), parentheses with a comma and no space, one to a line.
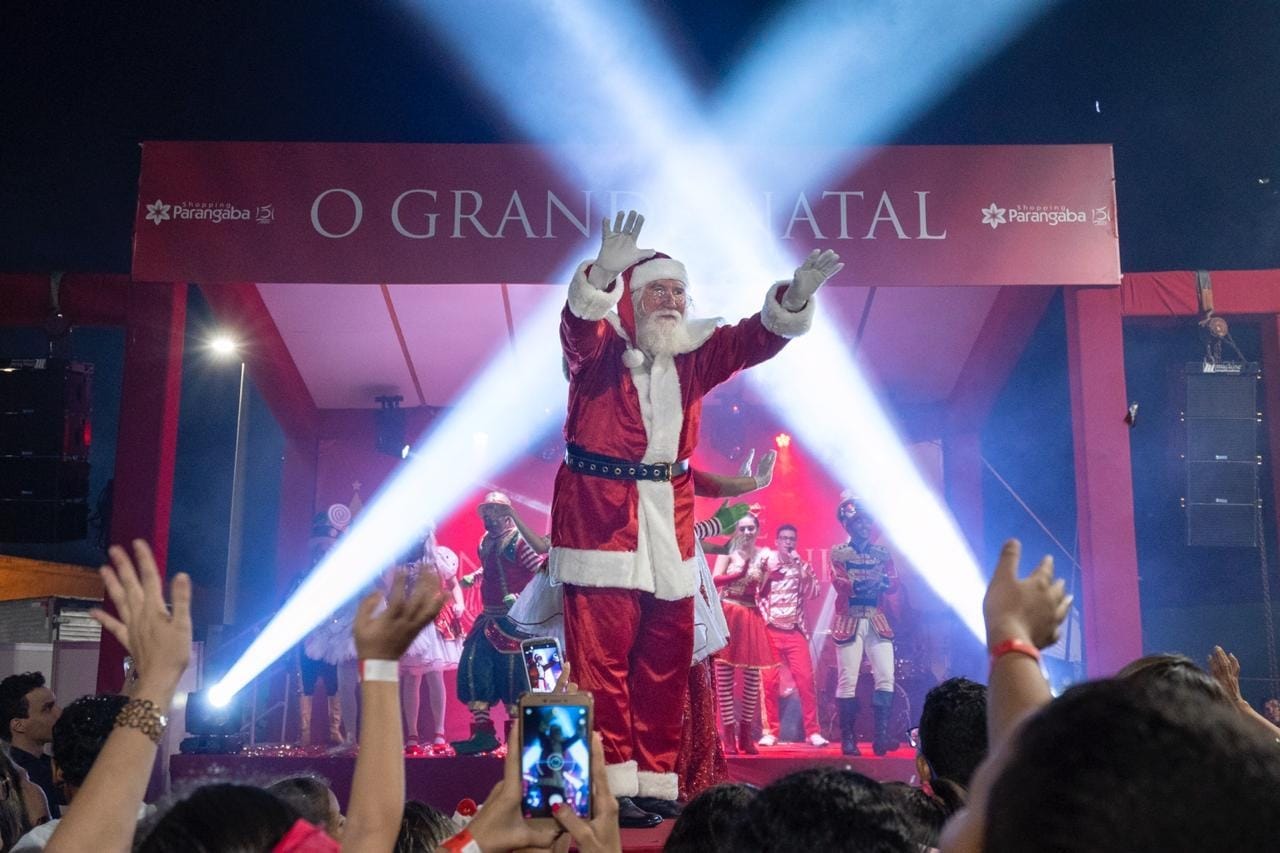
(431,214)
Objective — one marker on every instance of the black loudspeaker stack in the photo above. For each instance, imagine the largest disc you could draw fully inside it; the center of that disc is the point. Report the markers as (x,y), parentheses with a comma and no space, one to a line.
(45,434)
(1222,460)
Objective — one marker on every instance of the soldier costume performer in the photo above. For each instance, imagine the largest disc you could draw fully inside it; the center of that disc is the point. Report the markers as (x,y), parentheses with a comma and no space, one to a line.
(491,669)
(862,574)
(622,511)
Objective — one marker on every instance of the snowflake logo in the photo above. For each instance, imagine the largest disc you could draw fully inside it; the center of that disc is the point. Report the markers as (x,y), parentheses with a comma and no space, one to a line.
(157,212)
(993,216)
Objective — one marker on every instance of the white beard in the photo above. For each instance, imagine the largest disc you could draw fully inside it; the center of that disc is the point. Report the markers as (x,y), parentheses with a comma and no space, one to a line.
(656,335)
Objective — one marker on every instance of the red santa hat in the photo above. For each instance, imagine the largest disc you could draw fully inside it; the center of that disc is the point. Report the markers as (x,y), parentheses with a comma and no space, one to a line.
(653,268)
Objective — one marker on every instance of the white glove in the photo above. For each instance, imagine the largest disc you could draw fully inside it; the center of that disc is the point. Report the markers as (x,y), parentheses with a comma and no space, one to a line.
(617,248)
(764,474)
(744,470)
(810,275)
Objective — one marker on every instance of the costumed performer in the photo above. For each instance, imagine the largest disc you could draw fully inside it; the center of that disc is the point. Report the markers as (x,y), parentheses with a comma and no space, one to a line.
(622,510)
(492,669)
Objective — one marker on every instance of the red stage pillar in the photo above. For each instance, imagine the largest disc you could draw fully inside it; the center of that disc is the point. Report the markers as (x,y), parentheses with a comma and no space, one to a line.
(1104,479)
(1271,402)
(297,505)
(962,474)
(155,324)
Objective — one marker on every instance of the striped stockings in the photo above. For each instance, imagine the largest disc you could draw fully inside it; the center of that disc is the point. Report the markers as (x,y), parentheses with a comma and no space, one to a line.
(733,709)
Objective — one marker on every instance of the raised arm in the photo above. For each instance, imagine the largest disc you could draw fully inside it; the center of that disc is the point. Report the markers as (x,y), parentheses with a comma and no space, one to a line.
(538,542)
(377,787)
(103,815)
(593,292)
(1022,617)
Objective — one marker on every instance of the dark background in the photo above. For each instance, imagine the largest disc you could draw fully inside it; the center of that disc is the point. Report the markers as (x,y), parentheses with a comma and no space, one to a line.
(1184,91)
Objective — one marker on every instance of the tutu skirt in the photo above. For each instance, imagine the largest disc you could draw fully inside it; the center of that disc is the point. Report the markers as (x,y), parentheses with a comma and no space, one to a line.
(748,638)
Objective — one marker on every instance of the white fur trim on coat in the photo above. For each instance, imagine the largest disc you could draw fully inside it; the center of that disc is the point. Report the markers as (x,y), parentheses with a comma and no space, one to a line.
(624,570)
(663,786)
(588,302)
(623,779)
(780,321)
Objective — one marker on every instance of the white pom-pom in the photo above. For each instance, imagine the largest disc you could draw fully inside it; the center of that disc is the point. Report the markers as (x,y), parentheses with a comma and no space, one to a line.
(632,357)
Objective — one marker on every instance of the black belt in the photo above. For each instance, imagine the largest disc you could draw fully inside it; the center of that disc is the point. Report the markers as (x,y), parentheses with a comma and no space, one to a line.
(599,465)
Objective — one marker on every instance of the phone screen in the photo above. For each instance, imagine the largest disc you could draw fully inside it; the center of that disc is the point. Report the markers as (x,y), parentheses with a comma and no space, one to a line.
(543,663)
(555,758)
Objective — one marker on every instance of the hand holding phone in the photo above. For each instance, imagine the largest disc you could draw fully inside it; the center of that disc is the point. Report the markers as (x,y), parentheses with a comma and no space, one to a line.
(555,755)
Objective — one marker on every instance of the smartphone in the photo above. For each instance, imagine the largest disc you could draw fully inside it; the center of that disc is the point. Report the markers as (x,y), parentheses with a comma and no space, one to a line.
(543,663)
(555,754)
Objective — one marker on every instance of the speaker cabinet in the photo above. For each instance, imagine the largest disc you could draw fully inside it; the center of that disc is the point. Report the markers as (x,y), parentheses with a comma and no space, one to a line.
(45,435)
(1222,462)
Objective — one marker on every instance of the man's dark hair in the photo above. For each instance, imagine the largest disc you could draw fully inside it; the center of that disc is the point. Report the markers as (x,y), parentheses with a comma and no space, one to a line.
(221,818)
(308,794)
(707,823)
(824,808)
(1110,767)
(423,828)
(13,699)
(923,814)
(787,526)
(953,729)
(1173,669)
(81,731)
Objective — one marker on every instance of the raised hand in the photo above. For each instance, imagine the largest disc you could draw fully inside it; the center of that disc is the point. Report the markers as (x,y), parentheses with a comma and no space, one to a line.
(744,470)
(809,276)
(158,640)
(1030,610)
(386,635)
(764,474)
(1225,669)
(618,244)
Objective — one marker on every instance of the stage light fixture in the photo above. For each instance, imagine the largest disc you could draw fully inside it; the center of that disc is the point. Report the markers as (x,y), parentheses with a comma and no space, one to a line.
(389,425)
(224,345)
(782,440)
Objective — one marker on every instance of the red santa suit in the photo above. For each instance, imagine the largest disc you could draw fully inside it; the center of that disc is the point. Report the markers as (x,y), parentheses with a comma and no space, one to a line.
(624,548)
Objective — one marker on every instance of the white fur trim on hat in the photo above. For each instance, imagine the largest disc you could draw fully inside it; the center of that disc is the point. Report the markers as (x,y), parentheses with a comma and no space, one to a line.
(662,786)
(623,779)
(780,321)
(588,302)
(653,270)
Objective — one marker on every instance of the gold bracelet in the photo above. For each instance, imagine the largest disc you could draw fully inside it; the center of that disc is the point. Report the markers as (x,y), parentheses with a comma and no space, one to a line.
(145,716)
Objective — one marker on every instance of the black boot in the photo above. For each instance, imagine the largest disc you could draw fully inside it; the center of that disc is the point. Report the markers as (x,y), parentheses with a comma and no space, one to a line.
(880,704)
(484,738)
(746,745)
(659,806)
(848,726)
(631,816)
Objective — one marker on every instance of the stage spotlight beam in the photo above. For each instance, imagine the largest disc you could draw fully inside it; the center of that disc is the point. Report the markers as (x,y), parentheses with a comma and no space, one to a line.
(669,151)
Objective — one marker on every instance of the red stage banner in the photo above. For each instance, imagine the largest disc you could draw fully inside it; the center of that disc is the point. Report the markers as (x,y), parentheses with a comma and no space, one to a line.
(431,214)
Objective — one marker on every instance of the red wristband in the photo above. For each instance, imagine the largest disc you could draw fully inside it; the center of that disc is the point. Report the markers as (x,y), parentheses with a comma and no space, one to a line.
(1013,645)
(461,843)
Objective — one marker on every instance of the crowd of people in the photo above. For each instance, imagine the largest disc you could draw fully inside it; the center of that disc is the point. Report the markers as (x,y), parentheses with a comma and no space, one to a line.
(1164,756)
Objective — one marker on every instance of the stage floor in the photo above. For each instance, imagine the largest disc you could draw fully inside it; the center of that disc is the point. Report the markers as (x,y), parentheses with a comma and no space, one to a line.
(443,781)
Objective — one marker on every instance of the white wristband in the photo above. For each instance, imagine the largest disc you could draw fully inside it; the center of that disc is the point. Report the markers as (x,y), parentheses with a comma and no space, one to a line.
(380,670)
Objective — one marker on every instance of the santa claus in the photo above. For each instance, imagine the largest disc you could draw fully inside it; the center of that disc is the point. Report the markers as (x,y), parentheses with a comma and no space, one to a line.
(622,514)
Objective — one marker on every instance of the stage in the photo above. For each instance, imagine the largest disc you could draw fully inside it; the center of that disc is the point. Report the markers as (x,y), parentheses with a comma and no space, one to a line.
(443,781)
